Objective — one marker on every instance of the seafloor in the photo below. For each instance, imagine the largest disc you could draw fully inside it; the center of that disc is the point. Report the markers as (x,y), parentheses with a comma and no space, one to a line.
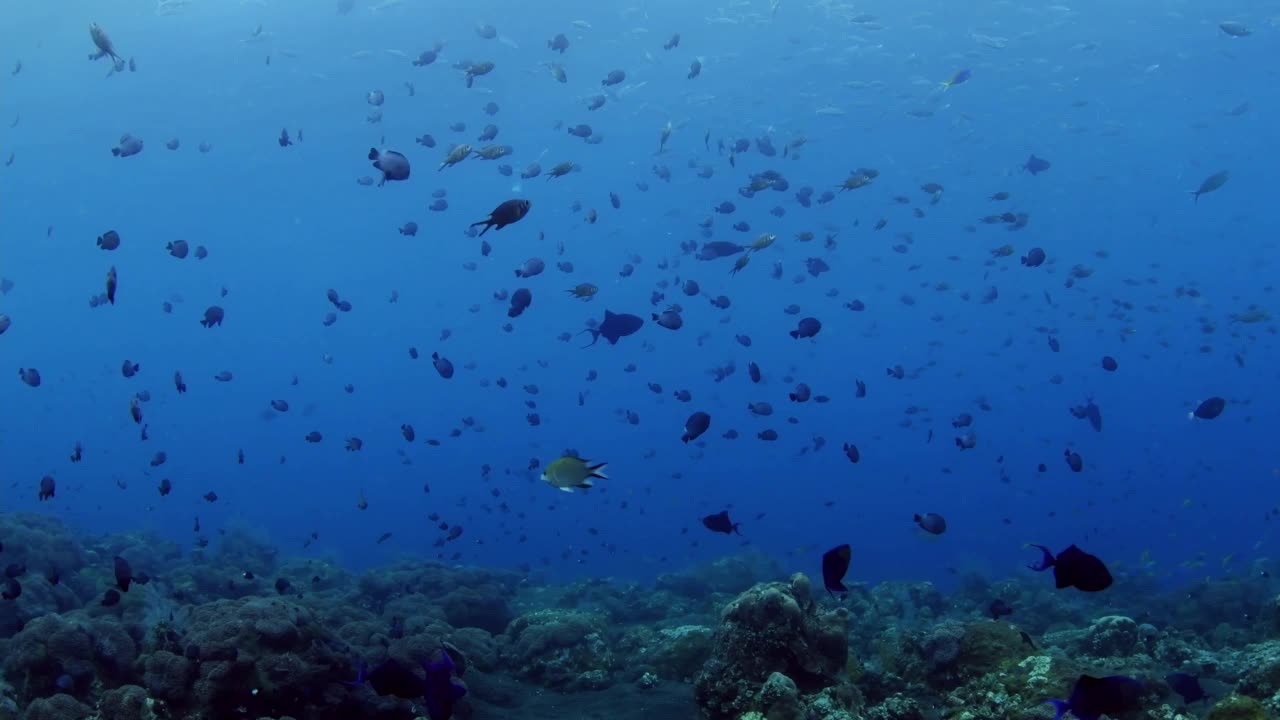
(236,631)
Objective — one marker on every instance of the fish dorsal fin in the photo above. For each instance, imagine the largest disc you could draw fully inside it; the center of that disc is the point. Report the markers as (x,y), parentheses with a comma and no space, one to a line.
(607,315)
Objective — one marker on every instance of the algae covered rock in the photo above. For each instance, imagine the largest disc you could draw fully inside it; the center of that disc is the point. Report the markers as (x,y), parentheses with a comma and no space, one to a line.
(562,649)
(128,702)
(680,652)
(768,630)
(58,707)
(1112,636)
(1237,707)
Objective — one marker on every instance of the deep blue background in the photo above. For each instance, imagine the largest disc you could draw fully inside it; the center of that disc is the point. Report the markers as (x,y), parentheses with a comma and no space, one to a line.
(1131,106)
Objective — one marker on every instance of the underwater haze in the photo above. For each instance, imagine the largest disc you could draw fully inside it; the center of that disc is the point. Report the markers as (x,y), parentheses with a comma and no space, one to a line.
(377,288)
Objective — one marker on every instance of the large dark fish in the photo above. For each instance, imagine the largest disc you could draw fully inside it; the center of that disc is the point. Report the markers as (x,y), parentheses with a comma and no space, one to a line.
(1093,697)
(721,523)
(835,563)
(1075,568)
(614,326)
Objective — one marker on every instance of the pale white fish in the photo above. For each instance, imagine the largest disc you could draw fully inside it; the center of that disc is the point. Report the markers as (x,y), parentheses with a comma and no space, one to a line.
(396,53)
(508,42)
(581,24)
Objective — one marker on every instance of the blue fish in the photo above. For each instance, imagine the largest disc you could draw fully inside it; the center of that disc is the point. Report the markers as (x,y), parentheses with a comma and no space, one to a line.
(441,691)
(1035,165)
(1093,697)
(959,78)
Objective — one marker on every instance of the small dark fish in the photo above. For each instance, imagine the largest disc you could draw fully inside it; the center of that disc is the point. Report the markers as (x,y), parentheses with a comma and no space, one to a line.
(1074,461)
(1075,568)
(113,282)
(110,598)
(808,327)
(721,523)
(695,426)
(1035,165)
(1235,28)
(718,249)
(510,211)
(1109,363)
(835,563)
(284,140)
(123,573)
(47,488)
(1035,257)
(1210,409)
(212,316)
(392,164)
(109,240)
(178,249)
(1093,697)
(998,609)
(520,301)
(614,77)
(442,365)
(851,452)
(1210,184)
(129,146)
(932,523)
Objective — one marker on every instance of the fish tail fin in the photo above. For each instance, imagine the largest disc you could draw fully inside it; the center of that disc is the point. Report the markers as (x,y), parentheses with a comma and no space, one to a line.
(1060,707)
(595,336)
(1046,561)
(597,471)
(373,153)
(736,529)
(1195,194)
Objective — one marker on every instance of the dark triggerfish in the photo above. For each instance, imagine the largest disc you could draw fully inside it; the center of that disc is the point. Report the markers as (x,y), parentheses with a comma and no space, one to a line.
(614,326)
(835,563)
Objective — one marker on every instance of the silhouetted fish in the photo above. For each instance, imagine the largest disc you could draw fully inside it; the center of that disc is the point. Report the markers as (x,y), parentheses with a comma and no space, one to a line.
(721,523)
(1074,568)
(614,326)
(835,563)
(1094,697)
(1035,165)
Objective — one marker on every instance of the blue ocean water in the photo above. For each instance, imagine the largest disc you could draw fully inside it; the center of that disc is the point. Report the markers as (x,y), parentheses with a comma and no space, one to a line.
(1133,107)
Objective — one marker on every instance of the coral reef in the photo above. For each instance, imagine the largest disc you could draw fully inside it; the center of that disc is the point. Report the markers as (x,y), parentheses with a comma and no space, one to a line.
(728,640)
